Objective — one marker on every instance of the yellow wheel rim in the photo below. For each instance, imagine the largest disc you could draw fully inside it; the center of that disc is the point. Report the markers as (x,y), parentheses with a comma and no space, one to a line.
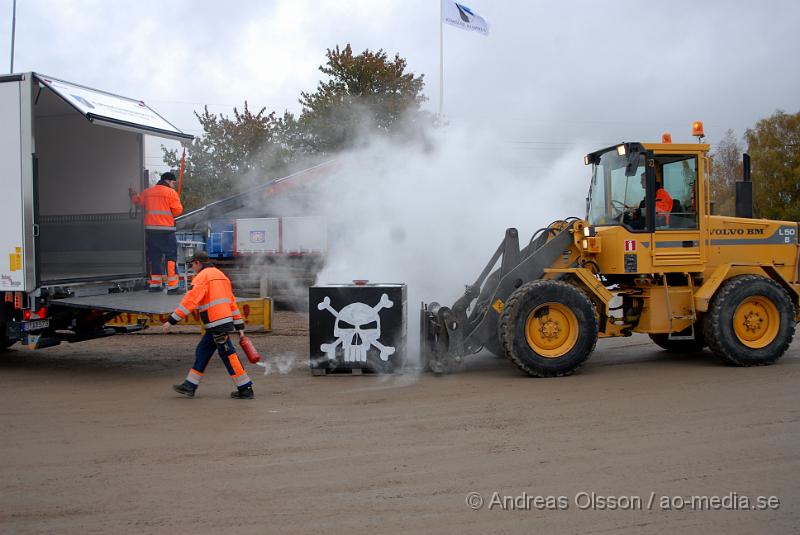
(756,322)
(551,330)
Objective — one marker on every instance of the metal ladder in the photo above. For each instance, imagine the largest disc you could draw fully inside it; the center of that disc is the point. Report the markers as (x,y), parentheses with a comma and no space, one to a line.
(672,317)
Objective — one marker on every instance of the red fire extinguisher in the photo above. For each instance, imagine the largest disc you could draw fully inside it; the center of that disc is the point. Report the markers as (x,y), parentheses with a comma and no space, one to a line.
(249,349)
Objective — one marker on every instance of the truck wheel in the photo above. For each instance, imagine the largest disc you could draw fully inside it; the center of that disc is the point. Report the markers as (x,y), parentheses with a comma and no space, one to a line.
(681,346)
(750,321)
(548,328)
(5,343)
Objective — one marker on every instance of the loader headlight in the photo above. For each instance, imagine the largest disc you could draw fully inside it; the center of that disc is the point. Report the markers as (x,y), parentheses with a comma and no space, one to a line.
(588,231)
(591,244)
(621,150)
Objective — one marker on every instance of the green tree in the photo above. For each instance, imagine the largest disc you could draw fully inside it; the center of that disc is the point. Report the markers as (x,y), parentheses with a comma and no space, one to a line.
(725,171)
(774,147)
(365,94)
(232,153)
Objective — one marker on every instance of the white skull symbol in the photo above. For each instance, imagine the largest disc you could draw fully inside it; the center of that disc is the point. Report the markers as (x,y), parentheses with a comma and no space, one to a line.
(357,328)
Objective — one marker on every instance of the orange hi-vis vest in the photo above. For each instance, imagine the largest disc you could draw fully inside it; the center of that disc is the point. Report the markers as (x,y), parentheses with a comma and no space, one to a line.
(663,204)
(212,296)
(663,201)
(161,206)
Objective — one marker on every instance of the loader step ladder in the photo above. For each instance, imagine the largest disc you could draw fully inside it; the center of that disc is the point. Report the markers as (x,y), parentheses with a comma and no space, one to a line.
(672,317)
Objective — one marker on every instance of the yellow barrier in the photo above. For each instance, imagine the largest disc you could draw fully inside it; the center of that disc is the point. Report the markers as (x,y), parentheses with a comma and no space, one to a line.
(256,312)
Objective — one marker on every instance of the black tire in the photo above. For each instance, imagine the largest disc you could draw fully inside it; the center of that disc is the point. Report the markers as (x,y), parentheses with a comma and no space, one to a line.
(5,343)
(681,346)
(750,321)
(571,326)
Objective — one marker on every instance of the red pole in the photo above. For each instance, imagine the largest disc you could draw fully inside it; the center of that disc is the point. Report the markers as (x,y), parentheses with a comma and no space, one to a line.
(180,174)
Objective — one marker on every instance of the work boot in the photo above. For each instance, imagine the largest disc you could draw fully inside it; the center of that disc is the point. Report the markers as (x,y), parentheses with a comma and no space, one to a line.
(154,290)
(243,393)
(183,389)
(175,291)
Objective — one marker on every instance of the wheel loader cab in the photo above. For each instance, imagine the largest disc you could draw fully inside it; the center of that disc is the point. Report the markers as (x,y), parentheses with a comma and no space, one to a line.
(647,196)
(643,190)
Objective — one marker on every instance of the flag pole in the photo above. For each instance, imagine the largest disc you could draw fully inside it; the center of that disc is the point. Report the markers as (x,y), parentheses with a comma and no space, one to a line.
(13,31)
(180,173)
(441,58)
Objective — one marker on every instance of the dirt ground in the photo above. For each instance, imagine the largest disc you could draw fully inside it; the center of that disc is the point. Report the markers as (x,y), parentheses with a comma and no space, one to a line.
(93,440)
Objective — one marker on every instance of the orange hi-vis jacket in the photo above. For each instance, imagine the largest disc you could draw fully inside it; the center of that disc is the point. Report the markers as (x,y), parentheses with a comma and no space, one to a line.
(212,296)
(663,201)
(161,206)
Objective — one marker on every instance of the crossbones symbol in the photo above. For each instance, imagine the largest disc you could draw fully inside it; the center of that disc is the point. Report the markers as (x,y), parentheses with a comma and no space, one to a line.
(357,328)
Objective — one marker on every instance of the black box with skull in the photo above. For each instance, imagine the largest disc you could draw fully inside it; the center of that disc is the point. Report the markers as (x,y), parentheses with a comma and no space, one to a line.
(357,326)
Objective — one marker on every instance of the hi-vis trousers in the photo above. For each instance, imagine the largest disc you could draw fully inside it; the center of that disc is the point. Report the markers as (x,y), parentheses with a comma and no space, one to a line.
(221,343)
(162,246)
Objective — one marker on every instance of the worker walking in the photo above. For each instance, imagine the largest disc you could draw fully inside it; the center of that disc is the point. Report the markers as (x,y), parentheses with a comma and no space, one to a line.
(161,205)
(212,296)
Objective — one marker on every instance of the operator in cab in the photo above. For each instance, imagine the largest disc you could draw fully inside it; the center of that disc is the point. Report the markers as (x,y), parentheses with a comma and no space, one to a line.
(636,218)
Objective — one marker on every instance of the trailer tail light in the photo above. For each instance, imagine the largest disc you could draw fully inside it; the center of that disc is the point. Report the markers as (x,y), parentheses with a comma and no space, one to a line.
(9,297)
(35,314)
(18,300)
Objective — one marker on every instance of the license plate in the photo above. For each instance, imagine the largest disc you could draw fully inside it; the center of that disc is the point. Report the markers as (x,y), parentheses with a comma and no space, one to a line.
(35,325)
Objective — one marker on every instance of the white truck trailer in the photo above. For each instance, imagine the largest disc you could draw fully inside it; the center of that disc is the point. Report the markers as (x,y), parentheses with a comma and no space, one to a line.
(71,244)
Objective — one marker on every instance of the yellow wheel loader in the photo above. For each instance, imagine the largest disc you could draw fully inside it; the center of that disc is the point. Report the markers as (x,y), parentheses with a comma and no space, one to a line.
(649,257)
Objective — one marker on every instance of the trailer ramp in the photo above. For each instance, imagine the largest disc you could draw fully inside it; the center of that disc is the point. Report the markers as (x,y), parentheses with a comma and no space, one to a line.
(150,309)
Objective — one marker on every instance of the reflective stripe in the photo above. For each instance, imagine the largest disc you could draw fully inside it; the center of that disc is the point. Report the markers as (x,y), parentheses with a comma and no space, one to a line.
(194,377)
(213,303)
(242,380)
(158,212)
(155,285)
(154,277)
(175,317)
(158,227)
(238,322)
(236,313)
(219,322)
(184,309)
(173,278)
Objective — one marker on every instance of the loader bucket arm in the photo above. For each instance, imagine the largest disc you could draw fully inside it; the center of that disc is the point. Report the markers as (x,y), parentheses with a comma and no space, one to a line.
(447,334)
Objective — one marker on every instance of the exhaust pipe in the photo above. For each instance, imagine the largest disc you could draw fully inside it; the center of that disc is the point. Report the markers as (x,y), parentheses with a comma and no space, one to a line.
(744,190)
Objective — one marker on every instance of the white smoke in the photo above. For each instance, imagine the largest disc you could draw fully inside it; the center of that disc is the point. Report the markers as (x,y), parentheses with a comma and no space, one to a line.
(281,364)
(431,215)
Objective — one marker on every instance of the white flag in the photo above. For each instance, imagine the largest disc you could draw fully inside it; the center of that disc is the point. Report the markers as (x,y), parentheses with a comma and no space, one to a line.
(461,16)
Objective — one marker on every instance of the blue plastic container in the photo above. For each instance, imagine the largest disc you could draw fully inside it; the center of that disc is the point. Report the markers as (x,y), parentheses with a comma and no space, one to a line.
(220,239)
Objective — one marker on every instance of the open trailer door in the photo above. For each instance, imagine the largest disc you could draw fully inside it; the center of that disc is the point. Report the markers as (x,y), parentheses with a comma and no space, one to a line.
(107,109)
(89,150)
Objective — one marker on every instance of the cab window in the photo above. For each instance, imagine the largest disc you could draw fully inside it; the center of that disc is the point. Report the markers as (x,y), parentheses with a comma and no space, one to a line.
(678,177)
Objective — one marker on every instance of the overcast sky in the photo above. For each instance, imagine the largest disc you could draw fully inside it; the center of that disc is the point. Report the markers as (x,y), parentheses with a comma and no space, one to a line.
(550,74)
